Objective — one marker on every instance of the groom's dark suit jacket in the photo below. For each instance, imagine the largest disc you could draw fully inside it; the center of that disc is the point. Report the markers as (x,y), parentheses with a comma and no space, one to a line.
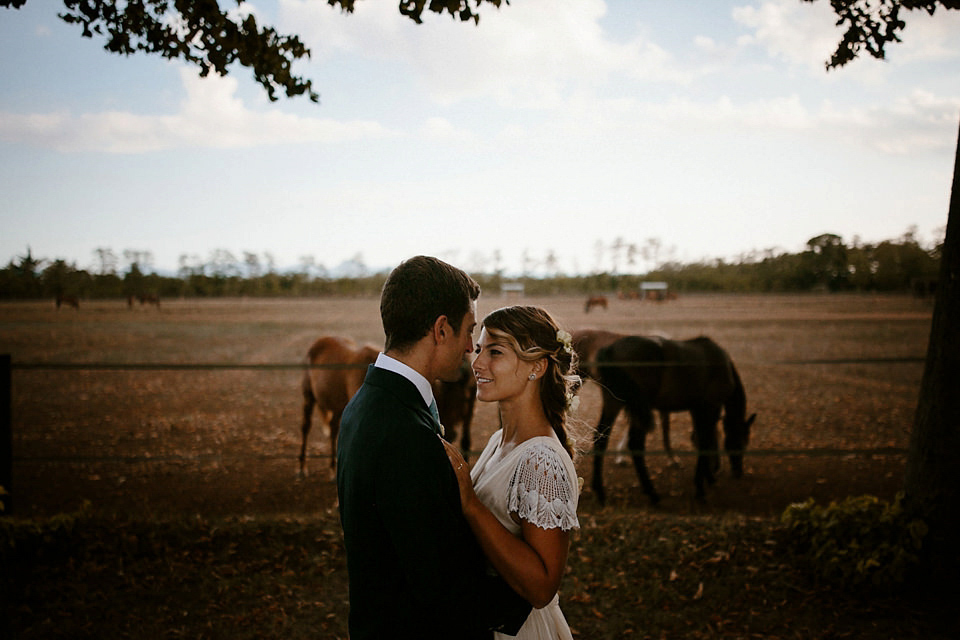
(415,568)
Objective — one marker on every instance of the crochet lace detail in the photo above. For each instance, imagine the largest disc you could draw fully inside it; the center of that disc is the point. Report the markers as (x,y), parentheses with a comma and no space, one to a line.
(541,491)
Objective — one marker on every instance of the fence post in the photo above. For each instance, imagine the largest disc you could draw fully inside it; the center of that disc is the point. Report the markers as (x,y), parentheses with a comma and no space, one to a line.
(6,432)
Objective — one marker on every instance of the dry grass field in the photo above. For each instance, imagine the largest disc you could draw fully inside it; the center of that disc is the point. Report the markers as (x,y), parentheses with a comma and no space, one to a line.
(833,379)
(224,441)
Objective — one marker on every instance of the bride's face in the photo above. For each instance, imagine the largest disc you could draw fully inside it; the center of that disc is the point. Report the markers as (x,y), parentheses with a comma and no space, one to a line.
(500,373)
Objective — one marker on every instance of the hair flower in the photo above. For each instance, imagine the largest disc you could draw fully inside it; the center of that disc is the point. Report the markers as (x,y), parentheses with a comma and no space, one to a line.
(566,340)
(573,402)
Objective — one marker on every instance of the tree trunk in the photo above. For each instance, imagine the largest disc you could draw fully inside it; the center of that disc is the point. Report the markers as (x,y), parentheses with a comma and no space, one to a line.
(932,482)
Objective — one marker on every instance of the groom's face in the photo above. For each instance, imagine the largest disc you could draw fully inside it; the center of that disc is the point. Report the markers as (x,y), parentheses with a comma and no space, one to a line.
(460,345)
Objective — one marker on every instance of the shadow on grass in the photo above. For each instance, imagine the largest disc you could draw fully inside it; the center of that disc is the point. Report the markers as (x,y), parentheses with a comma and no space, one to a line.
(631,574)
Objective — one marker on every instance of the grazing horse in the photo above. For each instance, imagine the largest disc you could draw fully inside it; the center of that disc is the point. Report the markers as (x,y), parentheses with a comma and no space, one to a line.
(643,374)
(330,387)
(70,301)
(595,301)
(146,298)
(586,342)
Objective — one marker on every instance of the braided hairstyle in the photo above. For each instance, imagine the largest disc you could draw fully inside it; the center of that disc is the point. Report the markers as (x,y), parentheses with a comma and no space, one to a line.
(534,334)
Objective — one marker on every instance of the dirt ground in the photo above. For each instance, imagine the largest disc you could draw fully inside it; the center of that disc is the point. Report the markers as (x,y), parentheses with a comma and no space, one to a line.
(833,380)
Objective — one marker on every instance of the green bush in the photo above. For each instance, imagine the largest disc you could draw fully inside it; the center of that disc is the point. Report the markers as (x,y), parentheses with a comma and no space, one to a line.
(24,540)
(859,542)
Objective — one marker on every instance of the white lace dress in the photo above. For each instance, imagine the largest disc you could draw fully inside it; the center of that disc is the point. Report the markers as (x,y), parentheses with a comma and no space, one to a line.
(536,480)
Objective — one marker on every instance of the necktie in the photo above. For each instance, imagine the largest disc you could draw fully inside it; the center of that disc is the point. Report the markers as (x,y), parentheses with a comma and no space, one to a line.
(436,416)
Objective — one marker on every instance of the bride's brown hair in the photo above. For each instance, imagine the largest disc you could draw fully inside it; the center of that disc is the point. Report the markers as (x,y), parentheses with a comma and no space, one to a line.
(534,334)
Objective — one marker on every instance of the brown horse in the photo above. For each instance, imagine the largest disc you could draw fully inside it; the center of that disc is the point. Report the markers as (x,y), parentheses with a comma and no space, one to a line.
(340,366)
(643,374)
(146,298)
(595,301)
(586,342)
(70,301)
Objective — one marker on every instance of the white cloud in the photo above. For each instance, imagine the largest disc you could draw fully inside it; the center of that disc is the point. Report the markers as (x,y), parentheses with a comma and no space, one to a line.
(927,38)
(442,130)
(917,123)
(210,116)
(526,54)
(796,32)
(806,34)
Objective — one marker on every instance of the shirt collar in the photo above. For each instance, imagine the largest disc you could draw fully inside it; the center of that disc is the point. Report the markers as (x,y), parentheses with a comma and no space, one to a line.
(422,384)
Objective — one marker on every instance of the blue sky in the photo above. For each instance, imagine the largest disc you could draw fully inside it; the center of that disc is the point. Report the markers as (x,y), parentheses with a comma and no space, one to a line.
(705,130)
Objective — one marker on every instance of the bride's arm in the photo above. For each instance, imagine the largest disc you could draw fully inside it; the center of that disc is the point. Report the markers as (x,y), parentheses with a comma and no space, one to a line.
(533,564)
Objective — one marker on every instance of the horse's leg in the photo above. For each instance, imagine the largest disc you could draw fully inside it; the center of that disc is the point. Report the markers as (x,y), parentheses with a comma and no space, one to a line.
(714,461)
(665,429)
(608,415)
(708,454)
(308,403)
(639,426)
(622,445)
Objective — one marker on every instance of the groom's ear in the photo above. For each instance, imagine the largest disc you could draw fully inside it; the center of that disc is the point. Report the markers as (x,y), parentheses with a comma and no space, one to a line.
(441,330)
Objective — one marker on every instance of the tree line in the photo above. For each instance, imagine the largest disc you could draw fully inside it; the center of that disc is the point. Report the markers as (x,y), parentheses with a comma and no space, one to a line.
(827,264)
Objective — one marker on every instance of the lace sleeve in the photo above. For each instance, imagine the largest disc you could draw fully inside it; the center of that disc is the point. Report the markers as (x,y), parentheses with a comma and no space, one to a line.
(542,492)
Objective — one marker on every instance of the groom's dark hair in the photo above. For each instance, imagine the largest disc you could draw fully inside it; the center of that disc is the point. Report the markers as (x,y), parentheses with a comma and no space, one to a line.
(416,293)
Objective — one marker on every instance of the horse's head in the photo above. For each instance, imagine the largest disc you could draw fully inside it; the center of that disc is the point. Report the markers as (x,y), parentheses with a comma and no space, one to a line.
(737,435)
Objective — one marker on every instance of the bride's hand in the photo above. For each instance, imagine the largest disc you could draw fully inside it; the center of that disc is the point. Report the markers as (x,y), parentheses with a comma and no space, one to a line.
(462,471)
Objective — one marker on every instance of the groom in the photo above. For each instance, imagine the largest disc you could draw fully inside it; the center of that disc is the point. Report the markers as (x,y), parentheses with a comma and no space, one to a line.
(415,569)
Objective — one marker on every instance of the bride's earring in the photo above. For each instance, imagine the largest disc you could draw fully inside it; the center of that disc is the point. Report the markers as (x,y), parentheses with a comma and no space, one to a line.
(532,376)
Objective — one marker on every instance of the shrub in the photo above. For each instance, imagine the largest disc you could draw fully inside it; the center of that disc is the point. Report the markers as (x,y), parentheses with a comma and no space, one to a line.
(25,540)
(859,542)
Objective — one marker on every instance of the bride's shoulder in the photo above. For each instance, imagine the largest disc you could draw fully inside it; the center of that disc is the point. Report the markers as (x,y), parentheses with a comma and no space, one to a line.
(541,448)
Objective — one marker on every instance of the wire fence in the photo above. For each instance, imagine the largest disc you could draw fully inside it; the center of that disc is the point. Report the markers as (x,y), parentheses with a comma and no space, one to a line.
(7,367)
(273,366)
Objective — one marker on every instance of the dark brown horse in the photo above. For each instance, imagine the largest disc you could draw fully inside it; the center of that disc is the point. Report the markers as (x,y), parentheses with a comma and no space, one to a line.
(595,301)
(643,374)
(586,342)
(146,298)
(70,301)
(341,366)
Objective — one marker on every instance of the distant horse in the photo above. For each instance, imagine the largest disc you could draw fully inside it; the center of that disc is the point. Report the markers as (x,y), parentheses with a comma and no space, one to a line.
(645,374)
(330,389)
(146,298)
(70,301)
(595,301)
(586,342)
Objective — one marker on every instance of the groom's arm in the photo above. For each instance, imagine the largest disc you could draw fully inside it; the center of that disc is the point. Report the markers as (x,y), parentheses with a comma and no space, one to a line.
(447,587)
(502,609)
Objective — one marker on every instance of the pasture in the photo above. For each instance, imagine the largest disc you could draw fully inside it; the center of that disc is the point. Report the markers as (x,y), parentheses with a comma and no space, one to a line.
(833,380)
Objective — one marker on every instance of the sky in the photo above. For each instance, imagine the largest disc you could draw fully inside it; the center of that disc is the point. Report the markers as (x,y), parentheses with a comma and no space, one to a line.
(555,128)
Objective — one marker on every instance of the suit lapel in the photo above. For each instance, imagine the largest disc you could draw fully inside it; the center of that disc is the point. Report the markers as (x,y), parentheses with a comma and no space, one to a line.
(405,391)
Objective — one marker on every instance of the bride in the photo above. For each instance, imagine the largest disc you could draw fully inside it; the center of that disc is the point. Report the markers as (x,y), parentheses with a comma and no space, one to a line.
(520,498)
